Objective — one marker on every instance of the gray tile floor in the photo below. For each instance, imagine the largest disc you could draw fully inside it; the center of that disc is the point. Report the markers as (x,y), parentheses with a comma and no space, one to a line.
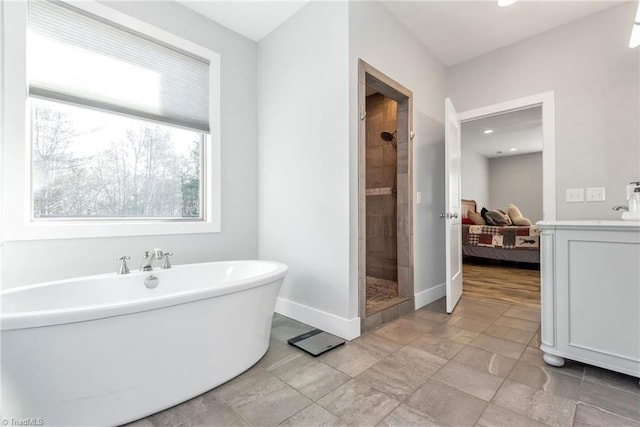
(478,366)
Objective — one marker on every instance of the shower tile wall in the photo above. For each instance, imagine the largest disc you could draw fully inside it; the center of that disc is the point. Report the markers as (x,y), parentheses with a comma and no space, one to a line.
(381,203)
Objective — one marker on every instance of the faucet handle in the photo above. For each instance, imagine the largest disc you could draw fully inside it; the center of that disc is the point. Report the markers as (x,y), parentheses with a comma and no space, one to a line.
(165,262)
(123,269)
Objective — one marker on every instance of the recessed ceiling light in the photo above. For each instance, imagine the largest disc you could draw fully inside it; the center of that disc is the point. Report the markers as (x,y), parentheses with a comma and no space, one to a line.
(498,152)
(505,3)
(513,149)
(488,131)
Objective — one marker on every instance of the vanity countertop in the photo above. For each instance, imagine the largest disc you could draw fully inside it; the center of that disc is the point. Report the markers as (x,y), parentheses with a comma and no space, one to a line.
(590,224)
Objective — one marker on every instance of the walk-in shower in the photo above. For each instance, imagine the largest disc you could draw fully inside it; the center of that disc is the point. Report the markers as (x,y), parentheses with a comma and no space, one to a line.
(381,204)
(385,208)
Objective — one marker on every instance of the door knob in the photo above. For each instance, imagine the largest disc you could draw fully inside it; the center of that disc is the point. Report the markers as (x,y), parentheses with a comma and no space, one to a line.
(448,215)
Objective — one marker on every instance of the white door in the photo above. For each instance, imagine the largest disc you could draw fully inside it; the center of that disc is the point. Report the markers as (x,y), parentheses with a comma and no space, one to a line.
(452,216)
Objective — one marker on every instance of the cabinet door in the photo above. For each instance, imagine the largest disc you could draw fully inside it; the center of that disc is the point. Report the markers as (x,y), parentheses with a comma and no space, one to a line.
(598,292)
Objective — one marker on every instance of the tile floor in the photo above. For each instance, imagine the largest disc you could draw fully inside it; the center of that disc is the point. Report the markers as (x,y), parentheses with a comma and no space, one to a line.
(479,366)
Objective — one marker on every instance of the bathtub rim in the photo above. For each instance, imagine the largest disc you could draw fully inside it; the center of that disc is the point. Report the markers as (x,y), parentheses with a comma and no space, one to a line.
(66,315)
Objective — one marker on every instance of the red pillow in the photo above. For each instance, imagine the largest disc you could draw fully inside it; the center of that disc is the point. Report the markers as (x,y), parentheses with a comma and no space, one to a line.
(467,221)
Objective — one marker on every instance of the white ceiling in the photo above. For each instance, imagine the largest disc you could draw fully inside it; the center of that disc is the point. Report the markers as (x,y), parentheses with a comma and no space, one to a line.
(459,30)
(520,130)
(251,18)
(454,30)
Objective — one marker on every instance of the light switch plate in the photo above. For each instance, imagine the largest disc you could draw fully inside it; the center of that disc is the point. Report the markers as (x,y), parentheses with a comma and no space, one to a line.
(419,197)
(595,194)
(575,195)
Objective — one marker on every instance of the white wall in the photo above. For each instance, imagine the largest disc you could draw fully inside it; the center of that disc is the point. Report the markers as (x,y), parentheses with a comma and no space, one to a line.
(380,40)
(308,127)
(303,105)
(596,80)
(1,133)
(474,177)
(28,262)
(517,180)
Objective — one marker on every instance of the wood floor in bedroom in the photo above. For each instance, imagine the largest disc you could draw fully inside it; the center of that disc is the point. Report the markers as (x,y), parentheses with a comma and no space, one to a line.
(508,284)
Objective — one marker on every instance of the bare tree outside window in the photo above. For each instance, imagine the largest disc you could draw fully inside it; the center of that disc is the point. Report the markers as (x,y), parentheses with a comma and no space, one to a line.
(89,164)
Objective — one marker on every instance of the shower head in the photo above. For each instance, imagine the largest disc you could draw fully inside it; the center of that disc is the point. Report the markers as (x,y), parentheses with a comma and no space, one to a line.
(388,136)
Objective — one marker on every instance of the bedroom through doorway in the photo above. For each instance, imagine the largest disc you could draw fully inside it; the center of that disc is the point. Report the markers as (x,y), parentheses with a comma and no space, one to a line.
(502,199)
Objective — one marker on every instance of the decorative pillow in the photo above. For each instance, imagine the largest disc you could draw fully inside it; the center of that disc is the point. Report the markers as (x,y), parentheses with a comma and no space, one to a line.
(505,216)
(522,221)
(483,212)
(468,221)
(516,216)
(476,218)
(514,212)
(495,218)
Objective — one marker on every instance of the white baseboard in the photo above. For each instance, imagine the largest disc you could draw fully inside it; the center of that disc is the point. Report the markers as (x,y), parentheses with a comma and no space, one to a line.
(430,295)
(346,328)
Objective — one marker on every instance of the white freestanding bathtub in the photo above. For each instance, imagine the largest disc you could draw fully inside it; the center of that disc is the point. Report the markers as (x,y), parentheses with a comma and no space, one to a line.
(105,349)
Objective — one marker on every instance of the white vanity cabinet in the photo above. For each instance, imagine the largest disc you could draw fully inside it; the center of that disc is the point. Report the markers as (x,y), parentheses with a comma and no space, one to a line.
(590,285)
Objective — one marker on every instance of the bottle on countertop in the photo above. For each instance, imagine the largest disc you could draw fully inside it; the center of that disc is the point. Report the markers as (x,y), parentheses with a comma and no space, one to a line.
(634,201)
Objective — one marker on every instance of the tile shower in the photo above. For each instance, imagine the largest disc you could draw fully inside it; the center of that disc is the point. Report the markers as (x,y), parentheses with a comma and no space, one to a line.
(381,203)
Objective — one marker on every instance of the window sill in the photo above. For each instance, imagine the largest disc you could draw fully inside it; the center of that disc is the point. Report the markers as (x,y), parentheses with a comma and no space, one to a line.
(48,230)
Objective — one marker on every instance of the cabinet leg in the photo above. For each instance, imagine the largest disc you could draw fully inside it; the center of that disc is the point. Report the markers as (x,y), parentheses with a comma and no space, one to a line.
(553,360)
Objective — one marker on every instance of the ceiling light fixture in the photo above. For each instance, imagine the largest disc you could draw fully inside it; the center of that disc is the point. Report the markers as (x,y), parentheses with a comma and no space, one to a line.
(505,3)
(513,149)
(635,31)
(488,131)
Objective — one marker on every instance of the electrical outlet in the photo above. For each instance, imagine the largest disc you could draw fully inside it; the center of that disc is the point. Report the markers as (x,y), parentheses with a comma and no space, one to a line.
(575,195)
(595,194)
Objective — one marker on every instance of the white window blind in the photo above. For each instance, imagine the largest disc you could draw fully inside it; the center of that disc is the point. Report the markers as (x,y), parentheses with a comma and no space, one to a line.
(78,58)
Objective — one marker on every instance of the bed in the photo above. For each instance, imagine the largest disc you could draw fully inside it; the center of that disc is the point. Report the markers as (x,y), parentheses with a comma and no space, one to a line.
(506,243)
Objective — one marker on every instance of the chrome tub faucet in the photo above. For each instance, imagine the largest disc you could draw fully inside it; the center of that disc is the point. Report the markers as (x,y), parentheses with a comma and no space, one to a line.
(149,256)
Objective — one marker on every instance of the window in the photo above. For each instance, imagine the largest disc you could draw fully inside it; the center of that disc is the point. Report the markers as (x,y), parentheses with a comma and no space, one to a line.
(90,164)
(122,134)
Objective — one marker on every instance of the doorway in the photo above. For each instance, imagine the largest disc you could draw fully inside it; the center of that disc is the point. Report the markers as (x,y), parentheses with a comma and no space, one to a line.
(501,170)
(546,102)
(385,203)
